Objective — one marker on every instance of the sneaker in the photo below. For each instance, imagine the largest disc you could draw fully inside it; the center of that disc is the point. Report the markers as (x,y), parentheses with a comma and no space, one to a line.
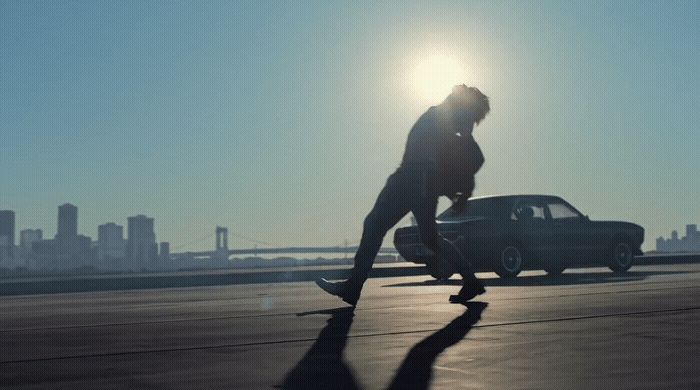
(470,289)
(347,292)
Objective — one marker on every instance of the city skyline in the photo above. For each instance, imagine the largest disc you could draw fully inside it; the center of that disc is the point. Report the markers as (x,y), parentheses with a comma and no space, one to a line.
(68,224)
(70,250)
(139,251)
(689,243)
(265,118)
(108,230)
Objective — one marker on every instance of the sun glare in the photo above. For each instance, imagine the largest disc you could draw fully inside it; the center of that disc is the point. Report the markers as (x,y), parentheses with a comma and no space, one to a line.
(432,78)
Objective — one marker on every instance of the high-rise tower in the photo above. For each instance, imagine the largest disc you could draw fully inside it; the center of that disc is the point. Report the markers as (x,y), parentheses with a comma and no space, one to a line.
(7,230)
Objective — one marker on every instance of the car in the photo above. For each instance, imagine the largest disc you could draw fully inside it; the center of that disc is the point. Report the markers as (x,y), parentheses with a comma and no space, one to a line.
(511,233)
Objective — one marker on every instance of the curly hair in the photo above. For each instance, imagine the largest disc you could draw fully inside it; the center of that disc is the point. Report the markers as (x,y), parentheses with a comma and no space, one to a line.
(470,99)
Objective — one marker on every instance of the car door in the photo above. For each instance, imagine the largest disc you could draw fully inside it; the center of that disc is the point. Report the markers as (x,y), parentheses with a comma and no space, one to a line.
(533,229)
(572,235)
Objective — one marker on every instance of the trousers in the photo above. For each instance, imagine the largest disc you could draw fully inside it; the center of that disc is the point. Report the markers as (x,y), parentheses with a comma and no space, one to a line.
(406,190)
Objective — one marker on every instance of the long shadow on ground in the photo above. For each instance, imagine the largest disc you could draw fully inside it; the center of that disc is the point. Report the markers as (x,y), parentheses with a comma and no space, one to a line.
(416,371)
(323,367)
(548,280)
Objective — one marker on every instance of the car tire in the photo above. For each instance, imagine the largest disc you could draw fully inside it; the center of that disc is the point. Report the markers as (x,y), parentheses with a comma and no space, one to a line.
(621,255)
(509,260)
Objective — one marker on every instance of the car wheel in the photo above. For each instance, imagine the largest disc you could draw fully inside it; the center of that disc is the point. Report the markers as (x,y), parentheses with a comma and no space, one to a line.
(621,256)
(509,260)
(554,270)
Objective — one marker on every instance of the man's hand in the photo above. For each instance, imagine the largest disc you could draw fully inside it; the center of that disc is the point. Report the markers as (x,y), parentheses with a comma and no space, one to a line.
(459,203)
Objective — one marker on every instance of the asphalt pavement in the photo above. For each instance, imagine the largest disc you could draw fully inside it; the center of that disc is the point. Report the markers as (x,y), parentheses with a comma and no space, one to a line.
(587,328)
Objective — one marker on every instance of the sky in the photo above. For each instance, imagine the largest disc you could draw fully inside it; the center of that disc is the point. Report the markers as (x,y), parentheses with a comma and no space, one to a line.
(282,120)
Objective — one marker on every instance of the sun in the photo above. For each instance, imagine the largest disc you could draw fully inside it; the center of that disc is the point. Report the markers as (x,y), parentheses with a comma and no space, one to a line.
(432,78)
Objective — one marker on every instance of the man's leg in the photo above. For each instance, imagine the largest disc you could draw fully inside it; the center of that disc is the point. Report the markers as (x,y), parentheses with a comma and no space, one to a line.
(386,213)
(447,257)
(424,211)
(392,204)
(430,237)
(471,286)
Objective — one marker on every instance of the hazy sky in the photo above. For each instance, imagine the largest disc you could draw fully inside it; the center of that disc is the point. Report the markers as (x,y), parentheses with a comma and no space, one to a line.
(282,120)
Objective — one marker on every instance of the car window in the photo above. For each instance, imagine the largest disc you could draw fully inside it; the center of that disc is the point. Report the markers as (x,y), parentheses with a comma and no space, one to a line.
(561,211)
(475,208)
(527,212)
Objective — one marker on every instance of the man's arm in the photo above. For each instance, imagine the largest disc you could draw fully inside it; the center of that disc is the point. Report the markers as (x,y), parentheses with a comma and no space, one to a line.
(459,204)
(468,163)
(459,201)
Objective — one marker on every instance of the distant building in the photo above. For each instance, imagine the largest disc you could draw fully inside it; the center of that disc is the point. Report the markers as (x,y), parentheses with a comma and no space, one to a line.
(7,230)
(45,254)
(27,238)
(692,238)
(165,253)
(81,254)
(661,245)
(5,259)
(689,243)
(67,222)
(66,239)
(110,242)
(68,250)
(141,247)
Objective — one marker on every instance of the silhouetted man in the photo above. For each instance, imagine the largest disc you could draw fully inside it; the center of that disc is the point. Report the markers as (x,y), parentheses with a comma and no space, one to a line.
(441,159)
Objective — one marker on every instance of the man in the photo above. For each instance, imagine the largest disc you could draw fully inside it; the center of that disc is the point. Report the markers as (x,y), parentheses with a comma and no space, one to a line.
(441,159)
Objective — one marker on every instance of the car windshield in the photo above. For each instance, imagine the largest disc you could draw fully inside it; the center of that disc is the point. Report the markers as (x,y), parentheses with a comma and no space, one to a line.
(475,208)
(562,211)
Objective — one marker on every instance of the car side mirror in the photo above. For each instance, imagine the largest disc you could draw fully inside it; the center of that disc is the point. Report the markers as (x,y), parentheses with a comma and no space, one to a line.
(586,218)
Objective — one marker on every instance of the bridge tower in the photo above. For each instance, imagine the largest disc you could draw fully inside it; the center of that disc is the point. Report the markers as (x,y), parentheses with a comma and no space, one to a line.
(221,238)
(221,252)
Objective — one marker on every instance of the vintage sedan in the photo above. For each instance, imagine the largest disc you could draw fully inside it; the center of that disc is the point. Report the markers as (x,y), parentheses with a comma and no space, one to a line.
(508,234)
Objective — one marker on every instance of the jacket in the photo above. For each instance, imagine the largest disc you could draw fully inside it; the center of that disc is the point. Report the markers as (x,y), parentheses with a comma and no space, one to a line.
(448,157)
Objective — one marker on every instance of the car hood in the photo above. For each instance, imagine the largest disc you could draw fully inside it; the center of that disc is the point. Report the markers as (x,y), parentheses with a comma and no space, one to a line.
(442,225)
(620,224)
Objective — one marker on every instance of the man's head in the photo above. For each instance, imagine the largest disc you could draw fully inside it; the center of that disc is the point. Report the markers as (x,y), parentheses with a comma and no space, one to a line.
(468,104)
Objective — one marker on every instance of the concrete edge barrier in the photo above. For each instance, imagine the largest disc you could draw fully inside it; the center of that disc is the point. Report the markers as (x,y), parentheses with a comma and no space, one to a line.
(118,283)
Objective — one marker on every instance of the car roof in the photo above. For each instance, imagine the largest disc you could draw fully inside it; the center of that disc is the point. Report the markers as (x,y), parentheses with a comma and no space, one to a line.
(522,196)
(506,202)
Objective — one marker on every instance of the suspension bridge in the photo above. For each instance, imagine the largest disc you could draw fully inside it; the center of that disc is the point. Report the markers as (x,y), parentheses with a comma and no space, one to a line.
(222,251)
